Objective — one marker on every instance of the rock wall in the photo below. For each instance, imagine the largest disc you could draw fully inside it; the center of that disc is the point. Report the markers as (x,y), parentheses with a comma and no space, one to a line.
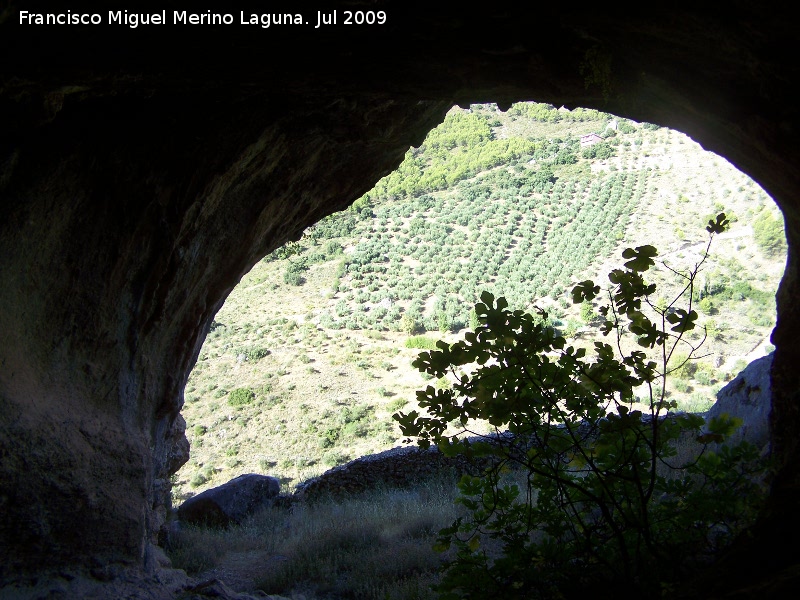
(143,172)
(403,466)
(747,397)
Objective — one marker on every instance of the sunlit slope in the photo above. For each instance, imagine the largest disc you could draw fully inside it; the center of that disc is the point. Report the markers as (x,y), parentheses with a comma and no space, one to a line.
(315,334)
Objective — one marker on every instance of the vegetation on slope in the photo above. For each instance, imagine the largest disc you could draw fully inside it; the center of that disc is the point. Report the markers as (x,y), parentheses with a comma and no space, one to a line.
(307,359)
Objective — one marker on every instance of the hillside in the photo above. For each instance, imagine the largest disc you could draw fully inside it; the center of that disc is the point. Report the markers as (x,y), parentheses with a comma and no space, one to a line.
(309,356)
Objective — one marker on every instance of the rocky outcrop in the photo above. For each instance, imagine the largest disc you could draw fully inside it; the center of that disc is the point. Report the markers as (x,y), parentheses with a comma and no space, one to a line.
(230,502)
(748,397)
(143,172)
(398,467)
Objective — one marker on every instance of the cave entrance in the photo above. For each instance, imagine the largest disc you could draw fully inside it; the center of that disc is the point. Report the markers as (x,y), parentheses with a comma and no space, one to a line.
(310,355)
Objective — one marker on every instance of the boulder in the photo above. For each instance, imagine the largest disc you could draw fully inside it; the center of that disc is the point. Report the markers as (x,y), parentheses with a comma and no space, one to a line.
(748,397)
(231,502)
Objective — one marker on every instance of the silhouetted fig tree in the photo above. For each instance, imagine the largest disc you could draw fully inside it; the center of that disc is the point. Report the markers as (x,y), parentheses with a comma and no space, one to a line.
(582,489)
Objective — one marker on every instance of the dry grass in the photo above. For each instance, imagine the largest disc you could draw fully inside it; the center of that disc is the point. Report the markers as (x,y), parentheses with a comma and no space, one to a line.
(373,546)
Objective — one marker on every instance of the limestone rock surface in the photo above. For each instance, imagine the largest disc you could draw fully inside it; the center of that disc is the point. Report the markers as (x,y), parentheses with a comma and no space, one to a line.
(397,467)
(748,397)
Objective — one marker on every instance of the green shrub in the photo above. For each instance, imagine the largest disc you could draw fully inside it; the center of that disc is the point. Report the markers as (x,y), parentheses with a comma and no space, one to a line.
(410,323)
(197,479)
(241,397)
(329,437)
(332,248)
(712,329)
(681,386)
(571,328)
(294,270)
(356,429)
(293,278)
(396,404)
(705,374)
(681,366)
(303,462)
(443,383)
(420,342)
(761,317)
(587,312)
(265,464)
(199,430)
(254,353)
(355,414)
(769,233)
(335,458)
(473,320)
(601,150)
(698,402)
(444,322)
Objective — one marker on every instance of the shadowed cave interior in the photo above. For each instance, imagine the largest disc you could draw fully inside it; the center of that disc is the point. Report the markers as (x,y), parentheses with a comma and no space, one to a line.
(140,183)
